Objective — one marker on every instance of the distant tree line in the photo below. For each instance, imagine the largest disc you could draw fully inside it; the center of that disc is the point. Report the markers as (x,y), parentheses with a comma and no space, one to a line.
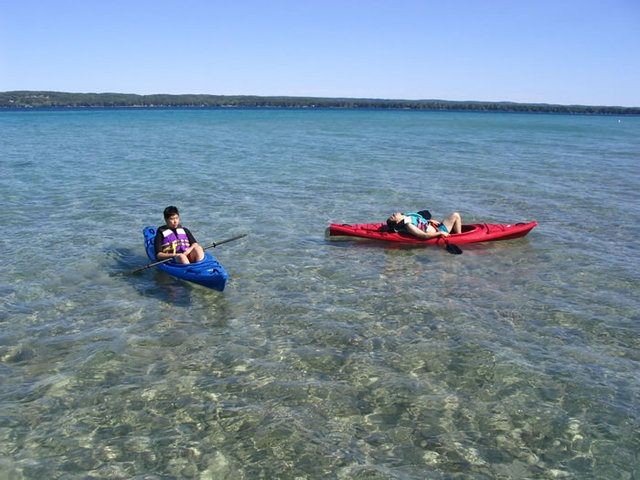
(33,99)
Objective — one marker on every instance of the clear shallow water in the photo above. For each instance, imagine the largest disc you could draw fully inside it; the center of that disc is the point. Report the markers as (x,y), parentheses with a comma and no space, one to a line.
(516,359)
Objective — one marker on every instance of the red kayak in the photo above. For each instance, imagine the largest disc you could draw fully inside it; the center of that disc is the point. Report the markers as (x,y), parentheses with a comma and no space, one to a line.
(471,233)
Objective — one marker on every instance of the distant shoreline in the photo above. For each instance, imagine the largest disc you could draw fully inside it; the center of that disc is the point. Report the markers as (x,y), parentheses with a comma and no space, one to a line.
(45,100)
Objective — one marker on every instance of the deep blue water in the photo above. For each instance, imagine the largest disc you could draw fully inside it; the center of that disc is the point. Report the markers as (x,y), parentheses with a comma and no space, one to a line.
(517,359)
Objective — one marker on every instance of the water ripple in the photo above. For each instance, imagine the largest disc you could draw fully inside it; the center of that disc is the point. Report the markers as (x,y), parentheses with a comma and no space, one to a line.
(321,360)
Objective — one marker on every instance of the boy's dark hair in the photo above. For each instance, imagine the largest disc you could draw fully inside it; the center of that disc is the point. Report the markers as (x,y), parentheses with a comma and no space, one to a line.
(392,226)
(170,210)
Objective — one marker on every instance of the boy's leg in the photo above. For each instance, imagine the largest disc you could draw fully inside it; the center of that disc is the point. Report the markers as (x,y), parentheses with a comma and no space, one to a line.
(197,254)
(182,259)
(453,222)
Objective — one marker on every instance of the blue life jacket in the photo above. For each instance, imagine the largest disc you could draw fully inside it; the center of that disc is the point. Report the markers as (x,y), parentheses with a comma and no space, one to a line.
(417,220)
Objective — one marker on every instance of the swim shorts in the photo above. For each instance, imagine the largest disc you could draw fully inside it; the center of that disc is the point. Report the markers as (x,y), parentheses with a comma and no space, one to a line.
(443,228)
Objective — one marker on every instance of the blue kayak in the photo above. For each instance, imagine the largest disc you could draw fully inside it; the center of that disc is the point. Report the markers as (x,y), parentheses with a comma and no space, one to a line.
(208,272)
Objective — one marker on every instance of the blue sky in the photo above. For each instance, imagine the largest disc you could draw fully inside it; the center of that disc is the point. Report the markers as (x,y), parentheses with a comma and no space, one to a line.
(544,51)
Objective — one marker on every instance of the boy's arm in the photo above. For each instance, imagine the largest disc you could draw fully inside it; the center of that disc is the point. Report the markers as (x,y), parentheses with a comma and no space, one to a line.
(416,232)
(190,236)
(157,244)
(192,241)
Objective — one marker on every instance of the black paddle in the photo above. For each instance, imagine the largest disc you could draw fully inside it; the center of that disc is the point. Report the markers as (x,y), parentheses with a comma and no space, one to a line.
(452,248)
(213,245)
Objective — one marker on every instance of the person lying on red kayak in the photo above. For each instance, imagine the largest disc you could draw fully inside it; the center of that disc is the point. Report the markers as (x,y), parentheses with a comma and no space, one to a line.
(421,225)
(175,241)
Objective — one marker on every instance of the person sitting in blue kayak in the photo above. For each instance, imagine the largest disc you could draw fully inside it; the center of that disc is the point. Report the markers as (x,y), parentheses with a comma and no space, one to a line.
(421,225)
(175,241)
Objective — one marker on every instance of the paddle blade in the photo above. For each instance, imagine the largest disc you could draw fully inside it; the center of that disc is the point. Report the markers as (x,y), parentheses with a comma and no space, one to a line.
(453,249)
